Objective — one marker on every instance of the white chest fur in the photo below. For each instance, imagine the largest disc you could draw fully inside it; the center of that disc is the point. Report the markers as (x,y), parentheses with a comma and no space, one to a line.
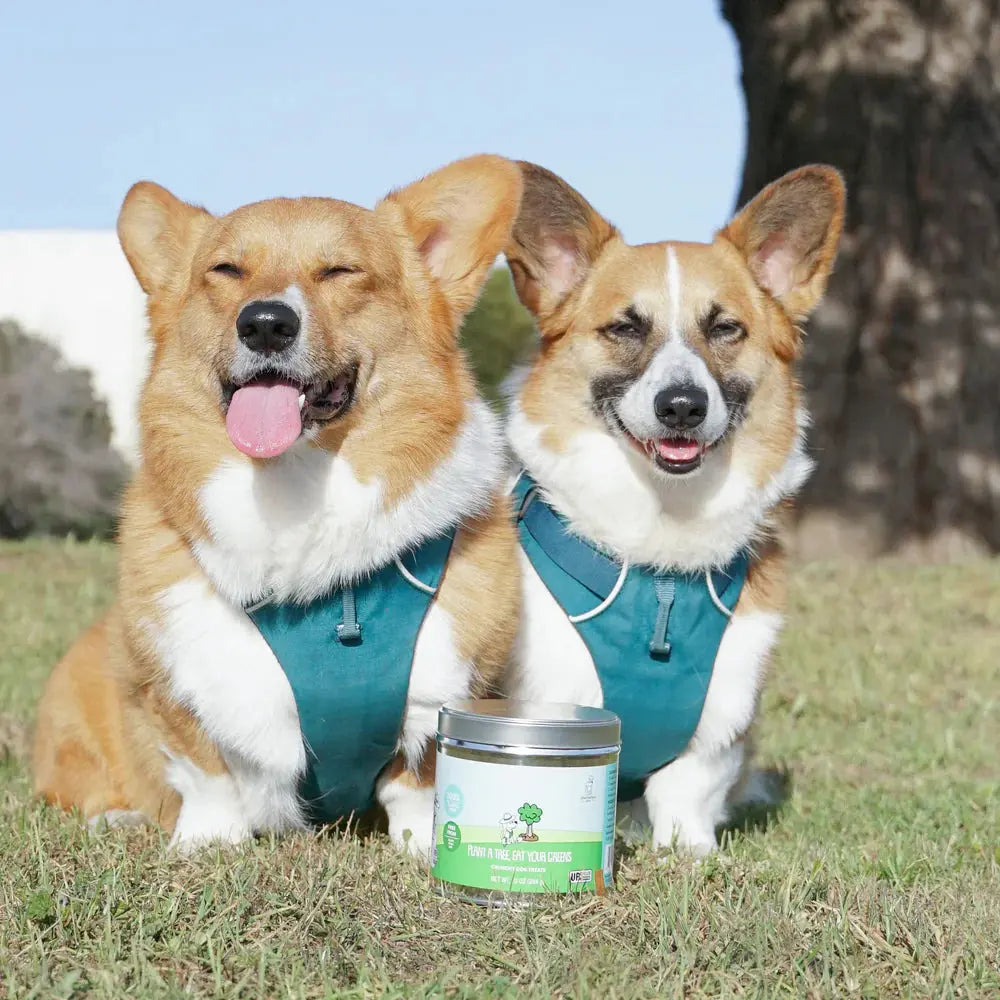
(609,496)
(702,524)
(551,662)
(294,528)
(685,799)
(297,525)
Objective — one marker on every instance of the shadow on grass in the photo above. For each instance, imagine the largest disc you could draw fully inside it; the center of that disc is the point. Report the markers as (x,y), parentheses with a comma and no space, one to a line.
(761,803)
(768,791)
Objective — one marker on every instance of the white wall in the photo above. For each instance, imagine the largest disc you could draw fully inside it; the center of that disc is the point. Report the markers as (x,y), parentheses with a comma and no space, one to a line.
(76,290)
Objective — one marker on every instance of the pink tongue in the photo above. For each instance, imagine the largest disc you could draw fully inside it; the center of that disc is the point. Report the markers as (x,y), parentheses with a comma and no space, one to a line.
(264,418)
(678,450)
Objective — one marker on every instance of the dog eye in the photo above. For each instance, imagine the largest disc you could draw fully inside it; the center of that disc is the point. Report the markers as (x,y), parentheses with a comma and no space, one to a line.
(727,329)
(231,270)
(334,270)
(624,328)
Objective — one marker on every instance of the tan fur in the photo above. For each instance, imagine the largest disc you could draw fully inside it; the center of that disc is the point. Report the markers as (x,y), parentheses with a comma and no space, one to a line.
(766,587)
(801,215)
(761,275)
(556,397)
(420,259)
(802,212)
(477,592)
(553,217)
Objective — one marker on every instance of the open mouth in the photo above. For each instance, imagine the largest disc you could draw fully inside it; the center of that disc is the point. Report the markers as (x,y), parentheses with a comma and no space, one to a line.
(266,415)
(676,455)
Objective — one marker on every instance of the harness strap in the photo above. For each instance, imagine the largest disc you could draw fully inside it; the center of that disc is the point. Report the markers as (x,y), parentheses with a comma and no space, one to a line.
(349,629)
(573,555)
(666,588)
(350,694)
(653,637)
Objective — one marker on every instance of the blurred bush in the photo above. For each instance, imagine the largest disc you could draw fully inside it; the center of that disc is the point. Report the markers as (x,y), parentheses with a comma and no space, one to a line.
(497,332)
(58,471)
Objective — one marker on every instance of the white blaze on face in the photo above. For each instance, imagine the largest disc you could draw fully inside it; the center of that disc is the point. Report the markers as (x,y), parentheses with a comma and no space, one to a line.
(674,296)
(674,365)
(293,297)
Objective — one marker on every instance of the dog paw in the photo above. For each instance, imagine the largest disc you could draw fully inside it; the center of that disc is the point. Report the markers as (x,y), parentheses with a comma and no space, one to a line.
(694,854)
(198,829)
(410,811)
(416,843)
(693,844)
(186,843)
(699,851)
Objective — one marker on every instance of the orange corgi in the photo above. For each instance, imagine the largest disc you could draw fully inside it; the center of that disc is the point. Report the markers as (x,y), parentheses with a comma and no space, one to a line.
(315,552)
(661,432)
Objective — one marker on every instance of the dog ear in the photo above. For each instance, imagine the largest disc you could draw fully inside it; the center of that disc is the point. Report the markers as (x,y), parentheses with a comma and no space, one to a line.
(555,241)
(460,218)
(157,232)
(789,233)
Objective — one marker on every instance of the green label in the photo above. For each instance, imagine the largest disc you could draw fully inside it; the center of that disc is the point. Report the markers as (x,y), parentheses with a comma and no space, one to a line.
(451,836)
(524,829)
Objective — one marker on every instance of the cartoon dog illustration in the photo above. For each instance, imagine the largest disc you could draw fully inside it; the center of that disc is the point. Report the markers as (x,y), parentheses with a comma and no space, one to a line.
(508,826)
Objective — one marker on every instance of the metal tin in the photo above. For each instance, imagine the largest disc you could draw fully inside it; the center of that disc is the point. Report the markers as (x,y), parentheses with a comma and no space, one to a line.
(552,766)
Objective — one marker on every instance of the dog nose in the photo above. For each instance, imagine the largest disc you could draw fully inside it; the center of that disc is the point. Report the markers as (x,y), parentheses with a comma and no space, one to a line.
(681,408)
(267,327)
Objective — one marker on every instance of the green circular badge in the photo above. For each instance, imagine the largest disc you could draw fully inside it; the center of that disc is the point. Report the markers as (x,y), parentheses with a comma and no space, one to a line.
(451,835)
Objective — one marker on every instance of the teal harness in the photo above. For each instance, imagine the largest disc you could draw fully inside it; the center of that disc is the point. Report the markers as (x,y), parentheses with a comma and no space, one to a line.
(653,639)
(347,657)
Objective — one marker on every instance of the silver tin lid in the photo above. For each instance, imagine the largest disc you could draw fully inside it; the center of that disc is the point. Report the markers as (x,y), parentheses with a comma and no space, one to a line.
(545,725)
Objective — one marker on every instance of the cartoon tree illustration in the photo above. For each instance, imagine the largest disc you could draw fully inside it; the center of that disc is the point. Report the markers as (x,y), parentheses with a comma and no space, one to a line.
(530,814)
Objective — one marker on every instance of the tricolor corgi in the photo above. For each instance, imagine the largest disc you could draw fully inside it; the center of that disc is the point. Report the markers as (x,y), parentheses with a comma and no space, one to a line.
(316,550)
(662,436)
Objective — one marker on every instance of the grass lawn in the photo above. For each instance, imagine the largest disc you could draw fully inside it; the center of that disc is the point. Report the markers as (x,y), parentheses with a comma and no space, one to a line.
(880,876)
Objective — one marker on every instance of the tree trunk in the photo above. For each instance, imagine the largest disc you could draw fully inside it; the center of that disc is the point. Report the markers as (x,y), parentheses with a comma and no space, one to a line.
(902,362)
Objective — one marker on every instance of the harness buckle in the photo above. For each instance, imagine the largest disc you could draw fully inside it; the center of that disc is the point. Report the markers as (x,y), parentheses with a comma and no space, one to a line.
(659,650)
(349,633)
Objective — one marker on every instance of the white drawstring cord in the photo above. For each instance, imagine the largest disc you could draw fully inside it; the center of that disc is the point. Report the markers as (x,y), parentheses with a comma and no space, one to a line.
(517,479)
(607,602)
(262,603)
(615,591)
(412,580)
(715,596)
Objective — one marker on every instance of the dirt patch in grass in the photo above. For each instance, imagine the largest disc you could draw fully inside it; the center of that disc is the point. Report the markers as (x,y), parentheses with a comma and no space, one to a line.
(13,738)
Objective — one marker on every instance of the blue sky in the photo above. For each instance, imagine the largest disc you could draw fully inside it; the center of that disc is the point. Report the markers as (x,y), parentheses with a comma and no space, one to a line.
(635,103)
